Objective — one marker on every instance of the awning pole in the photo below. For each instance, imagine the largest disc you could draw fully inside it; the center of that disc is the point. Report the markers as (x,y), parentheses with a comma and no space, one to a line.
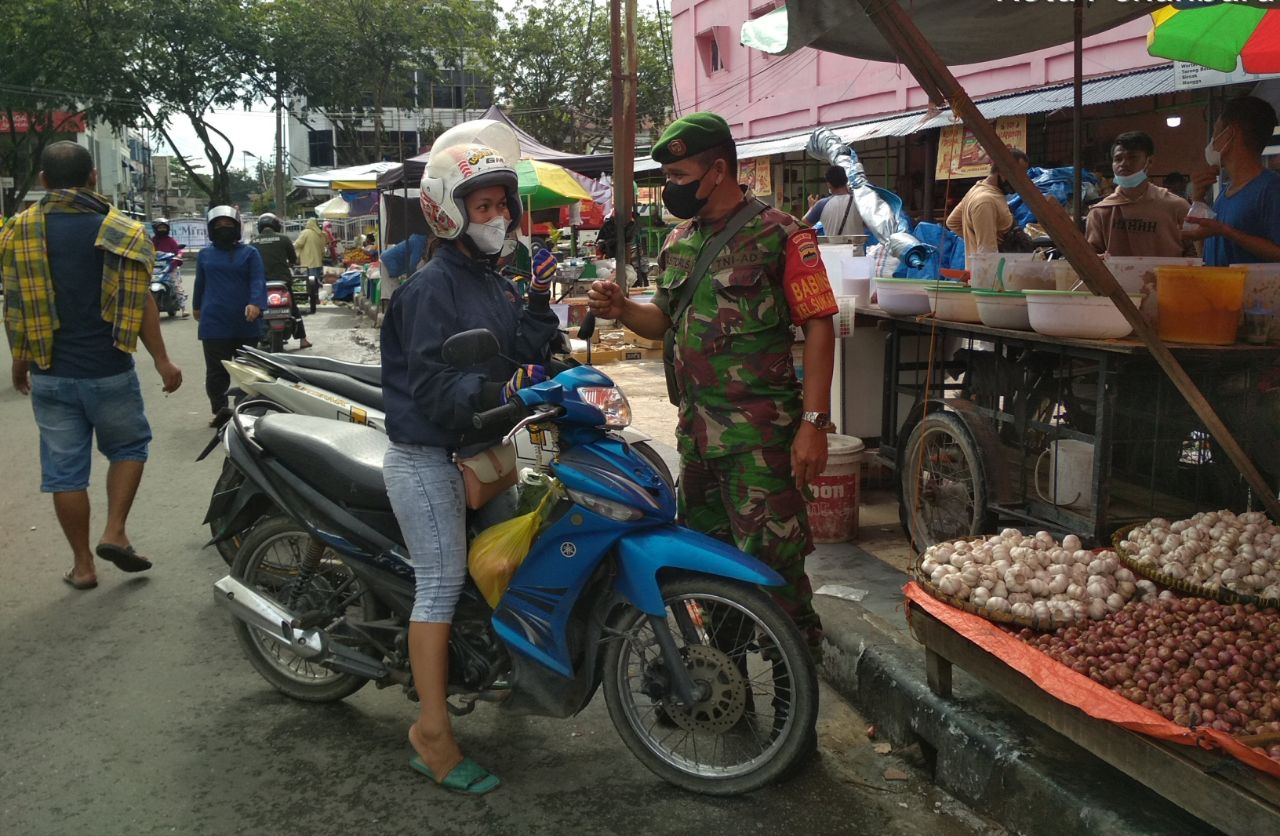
(1077,125)
(622,15)
(938,82)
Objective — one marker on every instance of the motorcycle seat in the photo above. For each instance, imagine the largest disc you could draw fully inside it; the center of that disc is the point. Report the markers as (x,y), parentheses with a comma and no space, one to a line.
(365,373)
(360,394)
(343,461)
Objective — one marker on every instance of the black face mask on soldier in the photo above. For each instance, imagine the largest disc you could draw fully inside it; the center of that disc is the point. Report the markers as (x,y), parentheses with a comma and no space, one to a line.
(683,201)
(224,236)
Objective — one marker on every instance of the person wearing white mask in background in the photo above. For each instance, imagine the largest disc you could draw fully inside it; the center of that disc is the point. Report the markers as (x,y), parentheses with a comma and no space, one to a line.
(1245,224)
(470,201)
(1139,218)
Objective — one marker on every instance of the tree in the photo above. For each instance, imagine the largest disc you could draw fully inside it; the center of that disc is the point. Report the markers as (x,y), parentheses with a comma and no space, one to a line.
(553,71)
(52,85)
(352,59)
(185,63)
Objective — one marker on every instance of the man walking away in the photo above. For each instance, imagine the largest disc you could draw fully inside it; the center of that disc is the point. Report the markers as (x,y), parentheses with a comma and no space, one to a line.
(77,276)
(837,211)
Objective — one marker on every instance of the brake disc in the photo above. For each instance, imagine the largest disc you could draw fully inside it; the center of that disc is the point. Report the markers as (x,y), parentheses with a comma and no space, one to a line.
(726,690)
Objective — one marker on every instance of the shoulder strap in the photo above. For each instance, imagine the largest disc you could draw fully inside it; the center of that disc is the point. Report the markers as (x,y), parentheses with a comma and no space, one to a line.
(709,251)
(845,219)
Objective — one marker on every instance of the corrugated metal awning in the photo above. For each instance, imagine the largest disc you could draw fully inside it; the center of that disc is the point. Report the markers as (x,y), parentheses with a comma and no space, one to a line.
(1132,85)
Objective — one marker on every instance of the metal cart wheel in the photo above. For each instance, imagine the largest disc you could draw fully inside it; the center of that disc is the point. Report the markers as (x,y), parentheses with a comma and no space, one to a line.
(943,490)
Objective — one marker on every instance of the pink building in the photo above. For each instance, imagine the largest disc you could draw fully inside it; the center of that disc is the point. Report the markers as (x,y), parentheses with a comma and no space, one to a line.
(773,103)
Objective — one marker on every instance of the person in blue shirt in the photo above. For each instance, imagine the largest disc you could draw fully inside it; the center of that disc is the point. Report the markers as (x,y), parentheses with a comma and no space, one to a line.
(1246,228)
(471,203)
(230,293)
(402,260)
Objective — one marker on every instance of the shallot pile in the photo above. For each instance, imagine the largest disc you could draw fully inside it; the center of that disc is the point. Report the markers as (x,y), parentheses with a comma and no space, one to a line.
(1214,549)
(1033,577)
(1193,660)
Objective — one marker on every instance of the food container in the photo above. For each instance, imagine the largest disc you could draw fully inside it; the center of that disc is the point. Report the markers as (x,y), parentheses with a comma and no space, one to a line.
(1003,310)
(1080,314)
(1200,305)
(902,297)
(1262,292)
(984,267)
(1137,274)
(1028,275)
(953,302)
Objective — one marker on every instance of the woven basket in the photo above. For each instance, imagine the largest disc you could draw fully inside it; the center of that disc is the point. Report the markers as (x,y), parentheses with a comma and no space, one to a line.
(997,617)
(1220,594)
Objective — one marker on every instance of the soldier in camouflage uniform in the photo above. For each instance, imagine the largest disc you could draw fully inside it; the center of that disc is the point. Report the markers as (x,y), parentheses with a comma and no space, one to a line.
(750,436)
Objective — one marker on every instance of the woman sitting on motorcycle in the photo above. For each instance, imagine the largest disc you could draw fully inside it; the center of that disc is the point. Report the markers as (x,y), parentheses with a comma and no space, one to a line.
(470,200)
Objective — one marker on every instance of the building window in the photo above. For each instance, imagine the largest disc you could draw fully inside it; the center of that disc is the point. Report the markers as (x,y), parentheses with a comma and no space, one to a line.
(712,49)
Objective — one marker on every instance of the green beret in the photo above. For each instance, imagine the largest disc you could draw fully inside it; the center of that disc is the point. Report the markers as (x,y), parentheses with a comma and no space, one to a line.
(691,135)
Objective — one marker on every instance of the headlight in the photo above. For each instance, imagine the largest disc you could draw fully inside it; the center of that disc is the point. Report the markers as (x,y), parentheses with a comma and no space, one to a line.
(610,401)
(605,507)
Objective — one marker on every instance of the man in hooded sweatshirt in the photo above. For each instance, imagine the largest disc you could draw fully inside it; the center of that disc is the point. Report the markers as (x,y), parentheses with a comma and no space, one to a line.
(310,247)
(1139,218)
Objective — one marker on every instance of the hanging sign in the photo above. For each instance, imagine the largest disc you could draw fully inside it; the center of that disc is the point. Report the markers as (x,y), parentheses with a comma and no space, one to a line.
(960,154)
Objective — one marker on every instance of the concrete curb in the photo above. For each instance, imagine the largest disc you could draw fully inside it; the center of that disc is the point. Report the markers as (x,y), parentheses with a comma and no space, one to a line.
(983,750)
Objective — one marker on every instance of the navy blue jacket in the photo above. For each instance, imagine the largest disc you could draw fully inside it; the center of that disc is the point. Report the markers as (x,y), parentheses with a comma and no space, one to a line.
(427,401)
(226,281)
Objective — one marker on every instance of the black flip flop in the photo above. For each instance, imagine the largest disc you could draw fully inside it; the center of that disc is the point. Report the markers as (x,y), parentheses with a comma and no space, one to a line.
(124,557)
(69,580)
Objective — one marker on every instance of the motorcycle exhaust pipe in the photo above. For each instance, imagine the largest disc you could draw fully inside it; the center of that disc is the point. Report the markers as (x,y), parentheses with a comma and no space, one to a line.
(268,616)
(259,611)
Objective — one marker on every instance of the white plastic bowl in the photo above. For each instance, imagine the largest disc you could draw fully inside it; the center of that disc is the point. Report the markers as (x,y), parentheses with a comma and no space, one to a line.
(901,298)
(954,304)
(1003,310)
(1056,313)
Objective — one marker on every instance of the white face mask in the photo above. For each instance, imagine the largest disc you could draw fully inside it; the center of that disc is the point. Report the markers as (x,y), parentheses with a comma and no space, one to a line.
(1212,155)
(488,236)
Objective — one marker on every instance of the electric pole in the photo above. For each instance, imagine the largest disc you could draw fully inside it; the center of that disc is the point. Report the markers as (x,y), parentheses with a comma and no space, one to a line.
(279,184)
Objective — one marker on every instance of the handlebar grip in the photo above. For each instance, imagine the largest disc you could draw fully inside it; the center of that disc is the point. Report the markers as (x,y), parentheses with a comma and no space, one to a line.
(588,326)
(500,417)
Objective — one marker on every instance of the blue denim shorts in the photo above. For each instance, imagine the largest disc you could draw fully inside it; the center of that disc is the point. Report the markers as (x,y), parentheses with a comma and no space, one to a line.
(70,411)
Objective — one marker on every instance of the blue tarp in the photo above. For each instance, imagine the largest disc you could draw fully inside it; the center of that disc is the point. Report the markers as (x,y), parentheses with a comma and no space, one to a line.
(948,252)
(1053,183)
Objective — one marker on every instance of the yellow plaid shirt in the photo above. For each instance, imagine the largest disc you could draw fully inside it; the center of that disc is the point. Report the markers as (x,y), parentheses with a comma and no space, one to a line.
(30,317)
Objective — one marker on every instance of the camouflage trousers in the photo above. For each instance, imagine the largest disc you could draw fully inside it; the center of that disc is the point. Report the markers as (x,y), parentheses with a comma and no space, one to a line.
(750,500)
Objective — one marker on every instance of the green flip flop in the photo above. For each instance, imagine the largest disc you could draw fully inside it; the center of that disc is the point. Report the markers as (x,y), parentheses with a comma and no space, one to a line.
(467,777)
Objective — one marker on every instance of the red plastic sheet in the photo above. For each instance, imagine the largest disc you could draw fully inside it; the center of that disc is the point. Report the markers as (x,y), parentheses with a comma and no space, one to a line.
(1078,690)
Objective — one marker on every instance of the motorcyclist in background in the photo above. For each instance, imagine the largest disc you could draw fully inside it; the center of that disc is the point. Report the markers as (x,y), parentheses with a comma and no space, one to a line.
(166,243)
(278,255)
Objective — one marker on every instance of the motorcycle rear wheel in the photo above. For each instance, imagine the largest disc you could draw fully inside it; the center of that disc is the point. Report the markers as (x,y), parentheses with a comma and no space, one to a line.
(269,561)
(756,725)
(275,341)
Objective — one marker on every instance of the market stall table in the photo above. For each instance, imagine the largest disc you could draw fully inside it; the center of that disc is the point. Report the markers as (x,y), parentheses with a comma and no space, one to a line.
(969,411)
(1218,788)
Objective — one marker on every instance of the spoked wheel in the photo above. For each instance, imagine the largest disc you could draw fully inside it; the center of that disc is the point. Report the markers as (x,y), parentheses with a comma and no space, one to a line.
(271,562)
(755,720)
(943,484)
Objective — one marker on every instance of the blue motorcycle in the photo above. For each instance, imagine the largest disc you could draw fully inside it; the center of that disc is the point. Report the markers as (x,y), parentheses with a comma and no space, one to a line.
(706,679)
(164,288)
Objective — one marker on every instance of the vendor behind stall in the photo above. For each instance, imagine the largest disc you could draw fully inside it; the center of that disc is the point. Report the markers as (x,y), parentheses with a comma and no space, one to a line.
(983,218)
(1139,218)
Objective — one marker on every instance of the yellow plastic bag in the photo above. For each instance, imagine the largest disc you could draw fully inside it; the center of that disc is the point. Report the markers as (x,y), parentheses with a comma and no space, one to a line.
(497,552)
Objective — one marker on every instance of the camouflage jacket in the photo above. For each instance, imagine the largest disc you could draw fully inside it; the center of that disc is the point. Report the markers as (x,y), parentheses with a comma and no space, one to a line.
(738,384)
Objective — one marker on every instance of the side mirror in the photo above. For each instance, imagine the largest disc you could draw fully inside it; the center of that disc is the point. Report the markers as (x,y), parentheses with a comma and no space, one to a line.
(470,348)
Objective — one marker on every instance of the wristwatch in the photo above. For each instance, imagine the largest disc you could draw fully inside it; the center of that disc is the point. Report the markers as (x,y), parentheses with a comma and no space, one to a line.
(818,419)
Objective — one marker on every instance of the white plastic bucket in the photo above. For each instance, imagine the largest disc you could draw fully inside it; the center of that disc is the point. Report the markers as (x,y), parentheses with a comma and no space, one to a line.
(833,511)
(1070,472)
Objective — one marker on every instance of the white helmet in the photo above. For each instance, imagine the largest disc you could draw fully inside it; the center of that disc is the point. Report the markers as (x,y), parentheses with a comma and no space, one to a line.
(222,212)
(467,157)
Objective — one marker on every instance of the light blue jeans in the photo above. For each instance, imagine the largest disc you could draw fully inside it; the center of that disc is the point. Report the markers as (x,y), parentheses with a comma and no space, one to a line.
(426,493)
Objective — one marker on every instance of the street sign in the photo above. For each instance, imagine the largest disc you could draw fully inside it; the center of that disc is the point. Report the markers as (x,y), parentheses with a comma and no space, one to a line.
(7,183)
(1189,76)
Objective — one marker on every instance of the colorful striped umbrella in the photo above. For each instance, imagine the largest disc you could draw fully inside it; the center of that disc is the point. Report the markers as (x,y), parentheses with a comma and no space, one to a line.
(1218,37)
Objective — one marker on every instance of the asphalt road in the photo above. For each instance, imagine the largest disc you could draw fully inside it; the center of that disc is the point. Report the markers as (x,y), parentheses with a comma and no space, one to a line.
(130,710)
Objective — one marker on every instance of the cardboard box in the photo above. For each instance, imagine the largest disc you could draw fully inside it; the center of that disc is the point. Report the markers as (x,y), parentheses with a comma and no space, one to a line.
(599,356)
(632,338)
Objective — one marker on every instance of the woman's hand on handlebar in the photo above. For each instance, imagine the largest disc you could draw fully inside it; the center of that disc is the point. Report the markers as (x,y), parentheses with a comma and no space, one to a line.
(525,376)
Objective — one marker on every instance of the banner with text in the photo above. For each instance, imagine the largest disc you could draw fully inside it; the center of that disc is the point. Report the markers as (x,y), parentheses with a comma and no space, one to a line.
(960,155)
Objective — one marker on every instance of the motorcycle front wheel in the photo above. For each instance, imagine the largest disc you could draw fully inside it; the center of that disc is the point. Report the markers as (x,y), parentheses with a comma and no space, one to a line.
(756,721)
(270,562)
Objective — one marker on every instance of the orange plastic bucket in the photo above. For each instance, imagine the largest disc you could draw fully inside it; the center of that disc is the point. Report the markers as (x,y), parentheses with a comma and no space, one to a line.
(1200,304)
